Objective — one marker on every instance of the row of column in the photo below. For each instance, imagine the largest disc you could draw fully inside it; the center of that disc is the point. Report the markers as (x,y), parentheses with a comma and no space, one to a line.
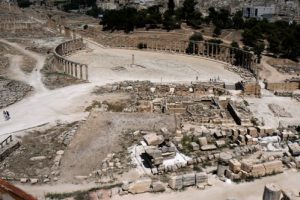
(70,46)
(15,26)
(65,31)
(76,70)
(223,53)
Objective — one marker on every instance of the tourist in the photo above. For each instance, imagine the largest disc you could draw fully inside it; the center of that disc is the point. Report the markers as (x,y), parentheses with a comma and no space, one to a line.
(7,115)
(4,115)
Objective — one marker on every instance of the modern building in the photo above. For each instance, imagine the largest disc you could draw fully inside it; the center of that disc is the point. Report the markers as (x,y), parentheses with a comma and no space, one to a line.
(259,12)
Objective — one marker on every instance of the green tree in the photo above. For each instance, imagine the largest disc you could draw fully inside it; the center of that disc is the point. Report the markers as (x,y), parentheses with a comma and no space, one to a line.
(23,3)
(217,31)
(196,37)
(189,8)
(238,21)
(258,49)
(171,6)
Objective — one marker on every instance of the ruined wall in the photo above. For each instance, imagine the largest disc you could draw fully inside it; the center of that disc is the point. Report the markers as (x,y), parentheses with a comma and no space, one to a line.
(285,86)
(61,64)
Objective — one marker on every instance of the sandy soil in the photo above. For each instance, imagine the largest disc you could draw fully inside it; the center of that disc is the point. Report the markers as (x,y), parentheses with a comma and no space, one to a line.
(222,191)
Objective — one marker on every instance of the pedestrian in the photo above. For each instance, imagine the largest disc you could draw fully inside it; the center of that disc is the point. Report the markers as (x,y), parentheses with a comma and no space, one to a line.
(7,114)
(4,115)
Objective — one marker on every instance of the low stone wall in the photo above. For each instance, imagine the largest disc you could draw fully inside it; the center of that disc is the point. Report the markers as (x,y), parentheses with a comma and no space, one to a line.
(77,70)
(284,86)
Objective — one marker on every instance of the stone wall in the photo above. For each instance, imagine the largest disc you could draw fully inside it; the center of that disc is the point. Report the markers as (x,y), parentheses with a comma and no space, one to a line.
(61,64)
(284,86)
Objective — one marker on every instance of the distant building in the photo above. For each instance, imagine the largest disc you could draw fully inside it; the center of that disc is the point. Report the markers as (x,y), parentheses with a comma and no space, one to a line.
(259,12)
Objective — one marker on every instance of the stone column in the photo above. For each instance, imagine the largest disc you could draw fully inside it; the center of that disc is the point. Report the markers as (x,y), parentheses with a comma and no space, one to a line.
(80,71)
(75,68)
(71,68)
(272,192)
(194,47)
(86,73)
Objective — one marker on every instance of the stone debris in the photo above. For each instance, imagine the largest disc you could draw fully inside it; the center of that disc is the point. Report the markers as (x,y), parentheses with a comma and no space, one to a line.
(153,139)
(38,158)
(140,186)
(180,181)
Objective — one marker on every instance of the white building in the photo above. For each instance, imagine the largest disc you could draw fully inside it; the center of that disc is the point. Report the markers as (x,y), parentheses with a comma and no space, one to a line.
(259,12)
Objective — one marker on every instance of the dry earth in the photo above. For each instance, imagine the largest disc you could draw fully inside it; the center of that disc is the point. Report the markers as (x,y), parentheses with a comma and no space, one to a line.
(100,136)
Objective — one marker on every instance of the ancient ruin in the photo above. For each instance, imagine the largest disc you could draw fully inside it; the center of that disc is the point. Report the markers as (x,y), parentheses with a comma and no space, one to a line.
(91,114)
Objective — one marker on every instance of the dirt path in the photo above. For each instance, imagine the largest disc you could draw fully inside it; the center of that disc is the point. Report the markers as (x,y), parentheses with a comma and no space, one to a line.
(270,73)
(34,79)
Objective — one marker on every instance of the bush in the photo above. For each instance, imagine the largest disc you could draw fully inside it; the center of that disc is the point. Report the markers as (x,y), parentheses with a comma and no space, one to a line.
(23,3)
(142,45)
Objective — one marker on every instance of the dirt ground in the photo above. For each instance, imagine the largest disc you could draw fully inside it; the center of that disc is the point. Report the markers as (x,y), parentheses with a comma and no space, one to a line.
(35,143)
(270,73)
(99,136)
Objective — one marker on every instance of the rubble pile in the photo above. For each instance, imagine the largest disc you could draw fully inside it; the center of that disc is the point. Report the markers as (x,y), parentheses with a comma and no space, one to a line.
(12,91)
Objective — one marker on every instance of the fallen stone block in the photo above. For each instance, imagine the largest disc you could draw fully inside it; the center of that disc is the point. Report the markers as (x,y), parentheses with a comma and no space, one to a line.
(272,167)
(175,182)
(220,143)
(37,158)
(234,165)
(258,170)
(208,147)
(152,139)
(202,141)
(188,180)
(195,146)
(140,186)
(158,186)
(201,177)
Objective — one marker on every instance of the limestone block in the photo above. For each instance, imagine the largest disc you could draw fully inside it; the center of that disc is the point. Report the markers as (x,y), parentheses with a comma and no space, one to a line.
(272,192)
(234,165)
(140,186)
(273,167)
(220,143)
(208,147)
(37,158)
(246,166)
(175,182)
(261,131)
(158,186)
(294,149)
(202,141)
(152,139)
(188,179)
(249,140)
(258,170)
(195,146)
(201,177)
(252,131)
(242,131)
(33,180)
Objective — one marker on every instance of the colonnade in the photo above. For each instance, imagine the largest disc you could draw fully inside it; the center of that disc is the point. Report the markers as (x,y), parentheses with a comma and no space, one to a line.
(77,70)
(220,52)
